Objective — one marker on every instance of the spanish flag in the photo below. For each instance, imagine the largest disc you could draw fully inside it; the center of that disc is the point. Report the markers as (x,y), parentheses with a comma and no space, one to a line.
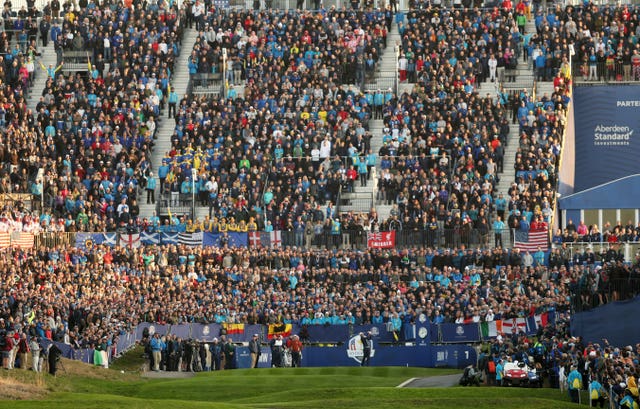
(233,328)
(279,329)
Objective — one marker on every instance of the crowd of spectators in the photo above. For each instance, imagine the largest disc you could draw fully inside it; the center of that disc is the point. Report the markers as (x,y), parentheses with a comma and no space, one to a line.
(604,37)
(85,151)
(87,297)
(297,136)
(443,143)
(607,372)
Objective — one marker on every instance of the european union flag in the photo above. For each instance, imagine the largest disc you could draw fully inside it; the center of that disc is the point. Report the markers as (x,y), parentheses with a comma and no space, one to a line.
(85,241)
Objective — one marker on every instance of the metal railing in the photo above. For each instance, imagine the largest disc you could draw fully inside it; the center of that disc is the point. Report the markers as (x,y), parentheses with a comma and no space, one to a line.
(355,201)
(602,72)
(628,249)
(209,84)
(347,239)
(176,204)
(381,80)
(590,291)
(76,60)
(288,4)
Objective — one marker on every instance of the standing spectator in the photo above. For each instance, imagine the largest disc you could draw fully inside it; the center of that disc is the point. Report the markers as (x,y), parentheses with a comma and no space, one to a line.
(34,345)
(277,351)
(254,350)
(574,380)
(156,349)
(23,350)
(499,372)
(230,354)
(151,189)
(498,228)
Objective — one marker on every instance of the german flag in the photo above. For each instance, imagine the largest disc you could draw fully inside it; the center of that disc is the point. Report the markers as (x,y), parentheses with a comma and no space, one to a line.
(233,328)
(279,329)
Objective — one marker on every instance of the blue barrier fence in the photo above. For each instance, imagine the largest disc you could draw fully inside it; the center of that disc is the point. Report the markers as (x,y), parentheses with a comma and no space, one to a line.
(419,344)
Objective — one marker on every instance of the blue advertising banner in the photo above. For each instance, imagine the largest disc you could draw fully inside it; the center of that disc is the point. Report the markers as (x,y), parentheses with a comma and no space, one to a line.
(181,331)
(380,355)
(453,356)
(328,334)
(153,328)
(607,126)
(460,332)
(205,332)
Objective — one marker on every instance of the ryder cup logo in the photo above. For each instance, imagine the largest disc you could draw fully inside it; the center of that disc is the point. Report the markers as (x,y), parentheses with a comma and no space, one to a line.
(459,330)
(206,330)
(355,347)
(152,330)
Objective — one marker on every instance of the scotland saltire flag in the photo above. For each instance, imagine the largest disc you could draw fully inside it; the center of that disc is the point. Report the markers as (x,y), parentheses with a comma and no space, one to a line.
(149,238)
(110,239)
(169,238)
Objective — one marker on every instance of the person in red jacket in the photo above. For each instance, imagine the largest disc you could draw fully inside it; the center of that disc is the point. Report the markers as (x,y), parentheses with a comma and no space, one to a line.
(7,350)
(295,346)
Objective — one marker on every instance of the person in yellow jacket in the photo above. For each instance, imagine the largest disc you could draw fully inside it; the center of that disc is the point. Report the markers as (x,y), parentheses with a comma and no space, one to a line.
(232,226)
(222,225)
(252,225)
(208,224)
(632,384)
(242,227)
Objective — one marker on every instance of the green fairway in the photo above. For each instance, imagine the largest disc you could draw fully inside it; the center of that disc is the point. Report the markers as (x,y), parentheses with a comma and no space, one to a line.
(321,388)
(84,386)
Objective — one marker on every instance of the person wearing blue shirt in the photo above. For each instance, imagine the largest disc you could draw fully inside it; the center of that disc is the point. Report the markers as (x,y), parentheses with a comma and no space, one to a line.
(363,171)
(437,318)
(574,381)
(596,394)
(173,102)
(499,372)
(498,227)
(157,345)
(151,189)
(163,171)
(538,257)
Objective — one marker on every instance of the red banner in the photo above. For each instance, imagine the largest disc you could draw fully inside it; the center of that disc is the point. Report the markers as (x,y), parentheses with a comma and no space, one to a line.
(381,240)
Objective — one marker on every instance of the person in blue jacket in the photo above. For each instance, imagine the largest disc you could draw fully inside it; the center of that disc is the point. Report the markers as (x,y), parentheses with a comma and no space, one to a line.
(574,380)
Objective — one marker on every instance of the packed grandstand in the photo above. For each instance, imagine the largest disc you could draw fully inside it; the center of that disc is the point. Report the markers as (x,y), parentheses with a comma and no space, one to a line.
(96,239)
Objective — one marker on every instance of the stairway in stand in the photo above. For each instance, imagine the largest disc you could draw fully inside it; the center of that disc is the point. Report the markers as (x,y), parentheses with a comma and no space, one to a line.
(164,132)
(47,57)
(386,64)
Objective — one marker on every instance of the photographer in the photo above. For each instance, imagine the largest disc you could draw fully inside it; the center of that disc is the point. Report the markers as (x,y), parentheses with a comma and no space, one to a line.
(54,353)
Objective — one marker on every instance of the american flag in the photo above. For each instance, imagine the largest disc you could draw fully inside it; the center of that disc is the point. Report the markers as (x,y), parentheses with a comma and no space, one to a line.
(5,240)
(531,240)
(22,240)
